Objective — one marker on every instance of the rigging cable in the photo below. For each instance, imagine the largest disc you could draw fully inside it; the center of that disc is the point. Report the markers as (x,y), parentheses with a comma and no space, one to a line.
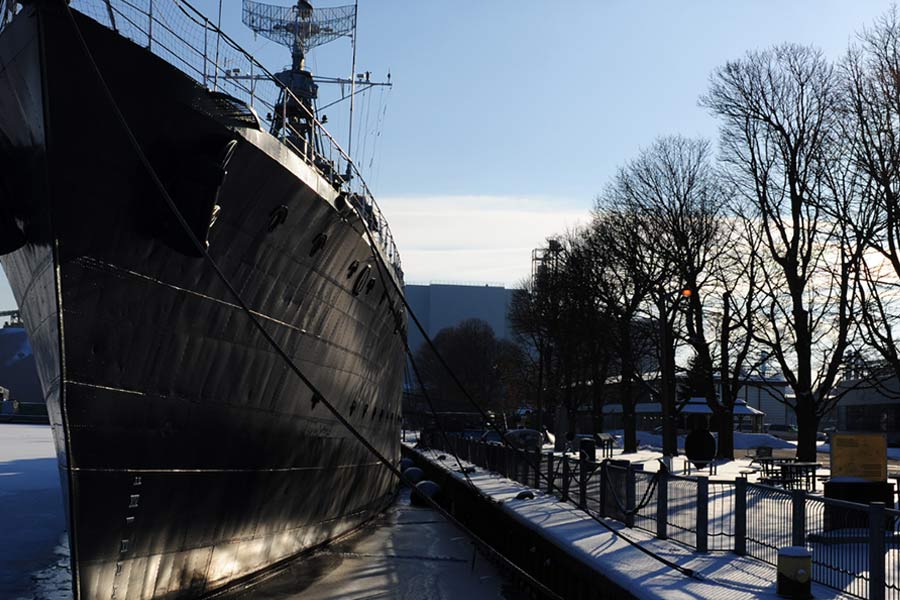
(317,394)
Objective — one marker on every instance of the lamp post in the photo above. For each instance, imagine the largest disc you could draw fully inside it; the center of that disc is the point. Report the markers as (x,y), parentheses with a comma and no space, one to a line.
(667,369)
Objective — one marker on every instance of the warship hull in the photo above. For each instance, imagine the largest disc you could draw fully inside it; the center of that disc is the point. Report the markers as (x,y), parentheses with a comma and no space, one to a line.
(190,454)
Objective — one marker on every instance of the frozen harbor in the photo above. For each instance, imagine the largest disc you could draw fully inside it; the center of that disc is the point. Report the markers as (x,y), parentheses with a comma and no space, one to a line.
(33,561)
(409,553)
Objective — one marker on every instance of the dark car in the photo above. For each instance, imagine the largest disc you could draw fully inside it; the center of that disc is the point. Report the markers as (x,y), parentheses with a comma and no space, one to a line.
(491,437)
(529,439)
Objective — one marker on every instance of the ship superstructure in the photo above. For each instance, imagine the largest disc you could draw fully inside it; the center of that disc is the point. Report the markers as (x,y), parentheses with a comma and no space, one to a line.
(191,456)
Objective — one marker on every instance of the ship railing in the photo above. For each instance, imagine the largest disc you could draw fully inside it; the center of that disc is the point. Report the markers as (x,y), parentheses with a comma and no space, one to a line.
(187,39)
(8,9)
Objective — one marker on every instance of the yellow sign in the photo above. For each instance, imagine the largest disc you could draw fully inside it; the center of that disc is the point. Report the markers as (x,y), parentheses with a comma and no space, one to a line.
(862,455)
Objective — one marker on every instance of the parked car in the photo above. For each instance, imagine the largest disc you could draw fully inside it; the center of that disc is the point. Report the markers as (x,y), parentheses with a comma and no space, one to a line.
(784,432)
(491,437)
(529,439)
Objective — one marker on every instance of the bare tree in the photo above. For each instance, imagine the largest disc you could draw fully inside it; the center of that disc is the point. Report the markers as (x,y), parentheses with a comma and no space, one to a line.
(871,107)
(779,111)
(627,272)
(674,186)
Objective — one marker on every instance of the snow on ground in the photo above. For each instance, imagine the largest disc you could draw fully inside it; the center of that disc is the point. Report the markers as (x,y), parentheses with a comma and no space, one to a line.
(742,441)
(33,557)
(723,575)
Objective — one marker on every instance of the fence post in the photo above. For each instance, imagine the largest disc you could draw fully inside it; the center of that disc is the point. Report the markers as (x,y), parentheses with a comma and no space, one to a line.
(630,500)
(798,502)
(740,516)
(582,480)
(537,469)
(702,513)
(876,550)
(662,504)
(566,475)
(549,472)
(604,473)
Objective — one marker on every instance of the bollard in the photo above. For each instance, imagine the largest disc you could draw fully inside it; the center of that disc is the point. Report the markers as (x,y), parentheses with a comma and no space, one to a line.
(794,570)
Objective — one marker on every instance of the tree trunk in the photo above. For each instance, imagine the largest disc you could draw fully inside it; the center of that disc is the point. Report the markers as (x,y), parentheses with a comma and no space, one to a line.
(807,425)
(725,449)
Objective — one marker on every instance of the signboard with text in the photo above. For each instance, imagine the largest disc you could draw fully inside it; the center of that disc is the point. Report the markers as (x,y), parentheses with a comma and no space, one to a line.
(862,455)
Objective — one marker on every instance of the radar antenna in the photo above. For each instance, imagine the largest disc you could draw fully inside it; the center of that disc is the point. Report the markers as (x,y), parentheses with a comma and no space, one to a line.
(301,28)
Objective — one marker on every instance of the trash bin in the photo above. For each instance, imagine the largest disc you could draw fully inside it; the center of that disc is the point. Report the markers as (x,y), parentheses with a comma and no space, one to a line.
(587,448)
(794,572)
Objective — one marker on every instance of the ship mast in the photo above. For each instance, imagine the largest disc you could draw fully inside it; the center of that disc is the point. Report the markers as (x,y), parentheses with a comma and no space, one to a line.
(302,28)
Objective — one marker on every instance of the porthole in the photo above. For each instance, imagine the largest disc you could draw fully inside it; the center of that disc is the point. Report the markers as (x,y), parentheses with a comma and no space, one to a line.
(361,280)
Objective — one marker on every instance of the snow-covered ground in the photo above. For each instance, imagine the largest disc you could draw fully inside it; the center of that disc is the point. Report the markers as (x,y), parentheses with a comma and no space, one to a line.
(721,575)
(33,556)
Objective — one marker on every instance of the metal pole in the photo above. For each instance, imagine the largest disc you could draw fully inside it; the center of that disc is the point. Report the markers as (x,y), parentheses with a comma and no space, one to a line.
(549,472)
(205,45)
(702,514)
(352,83)
(740,516)
(630,495)
(662,504)
(798,513)
(218,42)
(582,480)
(876,551)
(150,27)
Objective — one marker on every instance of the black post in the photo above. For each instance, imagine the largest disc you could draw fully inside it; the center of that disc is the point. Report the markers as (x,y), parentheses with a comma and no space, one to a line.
(549,472)
(662,504)
(798,504)
(630,495)
(876,550)
(582,480)
(702,514)
(604,473)
(566,475)
(740,516)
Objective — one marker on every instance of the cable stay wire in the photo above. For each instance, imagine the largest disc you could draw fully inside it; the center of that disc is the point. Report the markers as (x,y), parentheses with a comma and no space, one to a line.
(317,394)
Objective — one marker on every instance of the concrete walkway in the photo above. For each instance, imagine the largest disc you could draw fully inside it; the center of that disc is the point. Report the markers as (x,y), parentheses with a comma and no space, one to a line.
(408,554)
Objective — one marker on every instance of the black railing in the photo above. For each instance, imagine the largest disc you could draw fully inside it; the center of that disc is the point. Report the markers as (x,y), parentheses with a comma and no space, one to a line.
(855,547)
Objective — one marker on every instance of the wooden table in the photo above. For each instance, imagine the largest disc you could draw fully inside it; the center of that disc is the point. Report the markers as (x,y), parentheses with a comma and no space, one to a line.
(797,472)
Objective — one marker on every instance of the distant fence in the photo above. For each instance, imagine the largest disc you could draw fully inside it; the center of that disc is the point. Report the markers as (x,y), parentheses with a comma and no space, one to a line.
(856,547)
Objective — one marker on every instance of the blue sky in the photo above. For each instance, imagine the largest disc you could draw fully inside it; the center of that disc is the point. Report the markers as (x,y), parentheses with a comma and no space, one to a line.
(508,117)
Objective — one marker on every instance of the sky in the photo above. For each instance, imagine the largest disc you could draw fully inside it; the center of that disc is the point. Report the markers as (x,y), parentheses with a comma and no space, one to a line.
(507,117)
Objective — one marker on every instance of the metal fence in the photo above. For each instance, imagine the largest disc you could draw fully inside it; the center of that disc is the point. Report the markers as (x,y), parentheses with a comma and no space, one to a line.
(185,38)
(855,547)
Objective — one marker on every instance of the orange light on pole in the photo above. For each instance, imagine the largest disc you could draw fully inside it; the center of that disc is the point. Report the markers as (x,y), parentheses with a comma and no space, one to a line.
(686,292)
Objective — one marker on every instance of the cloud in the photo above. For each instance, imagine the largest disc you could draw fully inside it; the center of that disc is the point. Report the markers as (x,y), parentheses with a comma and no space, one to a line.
(484,239)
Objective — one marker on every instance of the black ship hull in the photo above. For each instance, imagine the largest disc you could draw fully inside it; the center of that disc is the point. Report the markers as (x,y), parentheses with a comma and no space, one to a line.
(190,455)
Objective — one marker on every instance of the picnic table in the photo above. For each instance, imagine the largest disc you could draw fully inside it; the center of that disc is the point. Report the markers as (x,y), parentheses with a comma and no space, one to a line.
(798,473)
(770,464)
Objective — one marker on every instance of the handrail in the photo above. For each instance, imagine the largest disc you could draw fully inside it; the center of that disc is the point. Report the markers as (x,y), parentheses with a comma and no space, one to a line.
(180,34)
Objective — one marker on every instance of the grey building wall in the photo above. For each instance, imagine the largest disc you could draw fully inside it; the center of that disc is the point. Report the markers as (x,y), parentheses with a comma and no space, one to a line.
(442,305)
